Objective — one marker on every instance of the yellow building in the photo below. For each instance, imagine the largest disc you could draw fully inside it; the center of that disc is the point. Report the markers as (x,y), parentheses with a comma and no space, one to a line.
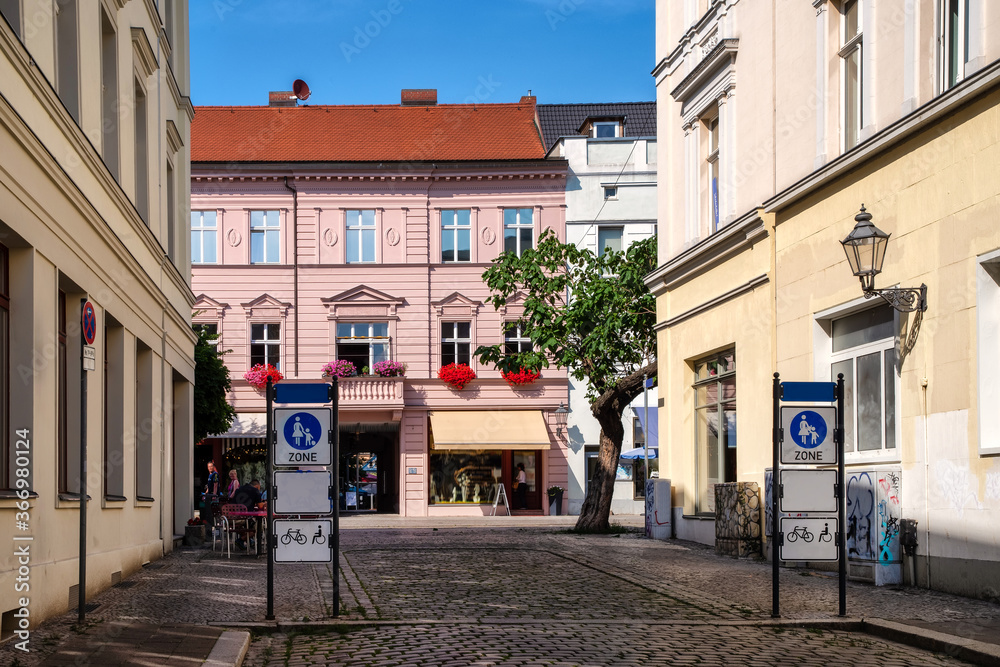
(838,103)
(94,126)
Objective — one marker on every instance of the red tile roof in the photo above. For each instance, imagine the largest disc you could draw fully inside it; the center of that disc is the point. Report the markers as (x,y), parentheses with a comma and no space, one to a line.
(380,133)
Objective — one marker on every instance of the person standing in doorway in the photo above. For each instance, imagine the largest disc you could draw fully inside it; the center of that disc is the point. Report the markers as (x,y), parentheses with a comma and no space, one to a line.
(522,487)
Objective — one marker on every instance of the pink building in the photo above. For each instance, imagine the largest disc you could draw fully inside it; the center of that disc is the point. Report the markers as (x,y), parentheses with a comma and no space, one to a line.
(361,233)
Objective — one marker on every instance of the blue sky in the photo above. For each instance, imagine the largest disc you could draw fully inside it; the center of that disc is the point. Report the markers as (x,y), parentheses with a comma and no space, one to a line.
(366,51)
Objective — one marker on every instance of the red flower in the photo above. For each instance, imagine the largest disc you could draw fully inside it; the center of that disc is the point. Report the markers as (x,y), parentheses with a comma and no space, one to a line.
(523,376)
(257,376)
(457,375)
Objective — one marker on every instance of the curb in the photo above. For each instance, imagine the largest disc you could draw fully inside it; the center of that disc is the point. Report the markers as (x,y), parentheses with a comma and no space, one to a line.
(230,649)
(969,650)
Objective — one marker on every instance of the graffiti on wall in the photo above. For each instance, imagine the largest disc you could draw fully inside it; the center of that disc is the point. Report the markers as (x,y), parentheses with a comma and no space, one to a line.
(956,485)
(888,517)
(650,507)
(860,516)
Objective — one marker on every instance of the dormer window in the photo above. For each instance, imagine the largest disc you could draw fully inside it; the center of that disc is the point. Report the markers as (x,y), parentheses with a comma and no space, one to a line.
(605,129)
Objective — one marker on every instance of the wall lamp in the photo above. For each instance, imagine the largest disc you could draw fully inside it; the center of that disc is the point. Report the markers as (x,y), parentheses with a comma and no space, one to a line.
(865,249)
(562,413)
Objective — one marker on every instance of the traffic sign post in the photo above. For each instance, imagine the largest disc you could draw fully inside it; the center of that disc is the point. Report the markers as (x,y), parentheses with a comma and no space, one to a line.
(88,362)
(809,538)
(303,436)
(303,540)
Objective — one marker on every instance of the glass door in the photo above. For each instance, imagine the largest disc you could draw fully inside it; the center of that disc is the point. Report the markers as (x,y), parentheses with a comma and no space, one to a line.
(533,496)
(359,482)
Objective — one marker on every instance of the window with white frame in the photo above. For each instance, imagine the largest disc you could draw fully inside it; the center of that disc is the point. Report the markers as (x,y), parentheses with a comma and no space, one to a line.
(864,351)
(602,129)
(204,235)
(360,236)
(988,351)
(953,41)
(456,235)
(456,343)
(518,230)
(265,237)
(211,329)
(514,340)
(712,172)
(715,426)
(852,84)
(610,192)
(265,344)
(363,343)
(609,238)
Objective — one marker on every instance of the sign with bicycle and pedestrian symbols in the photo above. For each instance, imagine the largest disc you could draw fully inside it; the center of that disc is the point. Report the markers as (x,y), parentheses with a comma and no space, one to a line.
(302,540)
(808,435)
(808,538)
(303,437)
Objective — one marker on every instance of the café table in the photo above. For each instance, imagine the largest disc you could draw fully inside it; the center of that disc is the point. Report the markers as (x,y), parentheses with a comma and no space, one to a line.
(261,525)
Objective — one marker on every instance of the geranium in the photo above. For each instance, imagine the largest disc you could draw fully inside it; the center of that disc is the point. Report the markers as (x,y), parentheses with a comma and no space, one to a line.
(257,376)
(341,368)
(389,369)
(457,375)
(523,376)
(197,521)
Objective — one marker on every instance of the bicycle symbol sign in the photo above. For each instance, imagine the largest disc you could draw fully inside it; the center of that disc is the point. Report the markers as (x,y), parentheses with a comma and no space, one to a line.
(302,541)
(809,538)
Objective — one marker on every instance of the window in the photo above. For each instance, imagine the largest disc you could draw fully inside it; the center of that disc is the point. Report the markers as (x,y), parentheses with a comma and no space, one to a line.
(715,426)
(62,426)
(363,343)
(609,238)
(852,83)
(265,344)
(143,422)
(360,236)
(864,351)
(953,41)
(456,343)
(518,230)
(6,456)
(265,235)
(211,328)
(713,172)
(610,193)
(604,129)
(141,155)
(114,413)
(67,57)
(171,213)
(109,94)
(456,236)
(204,234)
(514,339)
(988,350)
(638,435)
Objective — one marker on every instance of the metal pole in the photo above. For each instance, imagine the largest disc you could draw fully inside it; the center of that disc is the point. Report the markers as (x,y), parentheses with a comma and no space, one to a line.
(269,452)
(82,593)
(645,425)
(335,479)
(776,425)
(841,496)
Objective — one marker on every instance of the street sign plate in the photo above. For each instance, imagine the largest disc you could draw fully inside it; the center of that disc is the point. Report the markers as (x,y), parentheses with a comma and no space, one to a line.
(312,392)
(303,436)
(808,435)
(808,491)
(809,392)
(88,319)
(809,538)
(89,358)
(301,492)
(302,541)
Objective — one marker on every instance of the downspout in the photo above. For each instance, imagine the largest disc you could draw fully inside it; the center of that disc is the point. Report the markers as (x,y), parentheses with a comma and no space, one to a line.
(295,275)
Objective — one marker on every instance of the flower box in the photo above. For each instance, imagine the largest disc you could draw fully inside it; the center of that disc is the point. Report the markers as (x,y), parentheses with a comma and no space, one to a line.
(388,369)
(457,375)
(257,376)
(522,377)
(340,368)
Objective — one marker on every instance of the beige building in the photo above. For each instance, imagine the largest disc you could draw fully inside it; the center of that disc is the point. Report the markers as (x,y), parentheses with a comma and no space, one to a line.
(777,121)
(94,181)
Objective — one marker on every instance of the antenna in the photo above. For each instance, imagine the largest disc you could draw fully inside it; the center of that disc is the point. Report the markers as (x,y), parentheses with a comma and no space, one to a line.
(301,90)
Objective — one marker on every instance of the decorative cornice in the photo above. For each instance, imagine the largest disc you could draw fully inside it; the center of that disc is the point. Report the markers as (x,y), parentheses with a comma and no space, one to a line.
(174,140)
(180,101)
(143,52)
(722,55)
(266,305)
(457,302)
(748,286)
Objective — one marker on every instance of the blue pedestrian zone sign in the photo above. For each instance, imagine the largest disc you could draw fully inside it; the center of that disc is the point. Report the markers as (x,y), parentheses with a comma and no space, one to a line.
(302,437)
(808,435)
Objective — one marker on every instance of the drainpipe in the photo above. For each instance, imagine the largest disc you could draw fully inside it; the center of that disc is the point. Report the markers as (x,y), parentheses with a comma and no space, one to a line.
(295,274)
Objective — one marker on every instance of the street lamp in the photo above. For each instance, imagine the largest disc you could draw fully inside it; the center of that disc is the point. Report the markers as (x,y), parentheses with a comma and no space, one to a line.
(561,416)
(865,250)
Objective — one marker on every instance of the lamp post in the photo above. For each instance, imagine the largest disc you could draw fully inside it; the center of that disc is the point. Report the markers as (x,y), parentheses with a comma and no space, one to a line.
(865,249)
(562,414)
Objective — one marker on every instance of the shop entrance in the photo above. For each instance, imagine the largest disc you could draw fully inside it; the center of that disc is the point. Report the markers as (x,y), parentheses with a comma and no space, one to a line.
(368,475)
(532,469)
(470,477)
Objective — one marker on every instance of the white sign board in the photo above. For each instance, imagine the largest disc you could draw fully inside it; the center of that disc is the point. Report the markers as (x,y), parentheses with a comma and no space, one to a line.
(302,541)
(301,492)
(303,437)
(89,357)
(809,538)
(808,435)
(808,491)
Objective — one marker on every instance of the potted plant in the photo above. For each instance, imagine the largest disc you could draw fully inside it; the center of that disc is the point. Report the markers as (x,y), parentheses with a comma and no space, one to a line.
(388,369)
(457,375)
(555,499)
(339,368)
(522,377)
(194,532)
(257,376)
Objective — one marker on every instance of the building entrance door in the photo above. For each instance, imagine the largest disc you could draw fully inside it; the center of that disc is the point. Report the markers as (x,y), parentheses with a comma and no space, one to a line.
(533,471)
(367,474)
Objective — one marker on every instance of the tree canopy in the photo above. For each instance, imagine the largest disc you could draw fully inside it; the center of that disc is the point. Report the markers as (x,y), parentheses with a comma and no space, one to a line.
(212,412)
(592,315)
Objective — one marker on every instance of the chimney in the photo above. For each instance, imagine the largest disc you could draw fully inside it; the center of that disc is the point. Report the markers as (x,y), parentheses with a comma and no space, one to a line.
(419,97)
(528,99)
(281,98)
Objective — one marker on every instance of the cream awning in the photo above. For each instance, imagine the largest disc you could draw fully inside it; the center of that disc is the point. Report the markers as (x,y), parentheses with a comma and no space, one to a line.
(494,429)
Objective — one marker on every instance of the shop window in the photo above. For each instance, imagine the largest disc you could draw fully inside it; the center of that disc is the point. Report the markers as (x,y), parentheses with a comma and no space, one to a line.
(715,426)
(864,351)
(363,343)
(360,236)
(456,343)
(469,477)
(265,237)
(265,344)
(518,230)
(456,236)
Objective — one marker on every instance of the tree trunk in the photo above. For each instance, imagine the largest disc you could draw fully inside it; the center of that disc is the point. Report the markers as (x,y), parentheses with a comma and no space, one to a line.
(608,409)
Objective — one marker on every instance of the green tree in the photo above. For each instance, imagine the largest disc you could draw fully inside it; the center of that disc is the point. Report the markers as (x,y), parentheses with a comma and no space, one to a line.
(593,316)
(212,412)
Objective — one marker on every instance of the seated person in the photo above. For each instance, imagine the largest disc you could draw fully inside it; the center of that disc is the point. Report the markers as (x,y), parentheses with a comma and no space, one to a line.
(249,496)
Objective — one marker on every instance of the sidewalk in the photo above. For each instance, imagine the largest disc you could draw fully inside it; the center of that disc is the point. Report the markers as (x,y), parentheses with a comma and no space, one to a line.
(195,605)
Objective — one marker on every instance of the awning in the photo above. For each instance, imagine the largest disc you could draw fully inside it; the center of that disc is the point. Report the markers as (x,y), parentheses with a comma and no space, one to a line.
(494,429)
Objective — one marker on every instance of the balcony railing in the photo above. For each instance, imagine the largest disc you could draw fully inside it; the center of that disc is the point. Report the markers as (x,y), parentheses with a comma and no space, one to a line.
(371,392)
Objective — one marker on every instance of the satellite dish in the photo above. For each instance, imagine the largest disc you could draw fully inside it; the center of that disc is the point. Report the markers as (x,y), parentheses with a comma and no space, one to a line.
(301,89)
